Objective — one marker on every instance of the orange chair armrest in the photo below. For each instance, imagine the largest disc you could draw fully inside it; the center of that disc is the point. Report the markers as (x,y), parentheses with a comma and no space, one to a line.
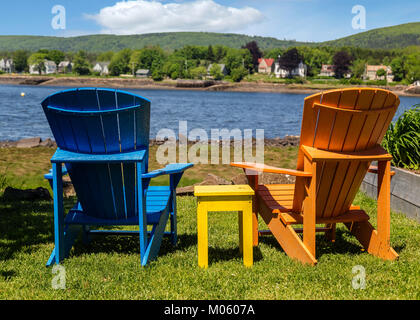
(269,169)
(377,153)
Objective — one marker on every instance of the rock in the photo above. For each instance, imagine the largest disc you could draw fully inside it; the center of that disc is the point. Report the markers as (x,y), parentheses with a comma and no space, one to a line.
(29,143)
(68,189)
(12,194)
(266,178)
(47,143)
(239,179)
(185,191)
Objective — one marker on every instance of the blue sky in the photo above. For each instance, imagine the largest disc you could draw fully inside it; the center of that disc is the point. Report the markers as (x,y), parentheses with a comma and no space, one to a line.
(303,20)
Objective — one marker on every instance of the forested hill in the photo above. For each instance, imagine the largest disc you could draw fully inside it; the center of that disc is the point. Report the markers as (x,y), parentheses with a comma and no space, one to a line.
(167,41)
(394,37)
(383,38)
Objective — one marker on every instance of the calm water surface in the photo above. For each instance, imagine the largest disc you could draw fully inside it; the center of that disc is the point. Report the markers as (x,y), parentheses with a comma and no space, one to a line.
(278,114)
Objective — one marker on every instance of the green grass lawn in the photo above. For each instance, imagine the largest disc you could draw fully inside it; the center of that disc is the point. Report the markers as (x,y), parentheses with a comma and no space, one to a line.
(109,268)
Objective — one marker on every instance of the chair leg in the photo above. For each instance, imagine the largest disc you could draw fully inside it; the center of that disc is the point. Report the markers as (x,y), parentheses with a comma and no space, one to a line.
(174,234)
(70,234)
(370,240)
(330,234)
(155,240)
(286,236)
(377,242)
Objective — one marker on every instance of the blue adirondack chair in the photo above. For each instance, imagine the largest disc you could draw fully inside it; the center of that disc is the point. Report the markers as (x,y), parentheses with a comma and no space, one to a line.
(103,142)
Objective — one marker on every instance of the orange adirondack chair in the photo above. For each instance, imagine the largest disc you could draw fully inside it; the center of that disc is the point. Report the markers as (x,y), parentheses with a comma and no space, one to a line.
(340,137)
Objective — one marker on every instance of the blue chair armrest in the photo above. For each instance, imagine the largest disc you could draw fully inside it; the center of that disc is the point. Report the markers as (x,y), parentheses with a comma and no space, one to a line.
(172,168)
(49,175)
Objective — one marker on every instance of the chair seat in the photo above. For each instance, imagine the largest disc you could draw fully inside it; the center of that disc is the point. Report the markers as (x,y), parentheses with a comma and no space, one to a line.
(157,201)
(277,197)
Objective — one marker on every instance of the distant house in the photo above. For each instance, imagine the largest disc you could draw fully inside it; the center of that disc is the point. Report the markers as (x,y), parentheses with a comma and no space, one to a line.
(143,73)
(327,70)
(371,70)
(416,83)
(265,65)
(222,69)
(49,68)
(7,65)
(65,67)
(299,71)
(102,68)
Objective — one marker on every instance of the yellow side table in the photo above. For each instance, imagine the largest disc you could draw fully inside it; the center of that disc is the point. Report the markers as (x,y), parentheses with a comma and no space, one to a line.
(225,198)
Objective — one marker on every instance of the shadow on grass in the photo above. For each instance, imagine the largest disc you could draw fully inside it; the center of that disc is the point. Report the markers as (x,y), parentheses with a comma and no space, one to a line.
(23,226)
(223,254)
(323,246)
(129,244)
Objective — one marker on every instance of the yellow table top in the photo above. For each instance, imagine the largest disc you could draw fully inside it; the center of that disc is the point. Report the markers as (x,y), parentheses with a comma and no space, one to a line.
(224,190)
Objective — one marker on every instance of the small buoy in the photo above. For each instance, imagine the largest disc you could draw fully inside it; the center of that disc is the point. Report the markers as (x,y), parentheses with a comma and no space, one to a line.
(22,94)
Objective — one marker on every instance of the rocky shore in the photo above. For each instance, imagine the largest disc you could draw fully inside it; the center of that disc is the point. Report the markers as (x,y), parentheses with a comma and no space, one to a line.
(287,141)
(207,85)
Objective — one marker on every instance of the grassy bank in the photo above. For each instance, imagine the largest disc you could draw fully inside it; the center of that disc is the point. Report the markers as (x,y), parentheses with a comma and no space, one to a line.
(109,267)
(253,83)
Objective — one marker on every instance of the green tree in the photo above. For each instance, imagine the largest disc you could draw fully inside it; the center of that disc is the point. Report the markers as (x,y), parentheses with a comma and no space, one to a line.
(198,72)
(20,60)
(81,64)
(38,61)
(210,54)
(216,72)
(412,67)
(105,56)
(358,68)
(397,66)
(238,74)
(120,63)
(57,56)
(381,74)
(236,58)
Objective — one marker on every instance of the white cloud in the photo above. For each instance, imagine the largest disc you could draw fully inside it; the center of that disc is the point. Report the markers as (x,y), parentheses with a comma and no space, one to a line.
(144,16)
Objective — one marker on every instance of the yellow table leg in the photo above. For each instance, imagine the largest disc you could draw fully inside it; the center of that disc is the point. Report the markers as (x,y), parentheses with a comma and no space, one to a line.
(202,233)
(240,223)
(247,236)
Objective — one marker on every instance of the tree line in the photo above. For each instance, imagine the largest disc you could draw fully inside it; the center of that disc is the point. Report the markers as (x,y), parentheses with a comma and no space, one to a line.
(192,62)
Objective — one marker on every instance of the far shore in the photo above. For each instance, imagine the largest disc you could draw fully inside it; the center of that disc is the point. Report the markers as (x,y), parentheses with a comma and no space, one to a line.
(139,83)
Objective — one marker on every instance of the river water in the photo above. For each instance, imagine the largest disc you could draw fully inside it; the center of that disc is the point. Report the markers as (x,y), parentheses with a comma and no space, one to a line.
(279,114)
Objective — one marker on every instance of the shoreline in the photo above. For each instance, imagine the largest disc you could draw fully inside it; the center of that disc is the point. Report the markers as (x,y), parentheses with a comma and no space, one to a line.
(136,83)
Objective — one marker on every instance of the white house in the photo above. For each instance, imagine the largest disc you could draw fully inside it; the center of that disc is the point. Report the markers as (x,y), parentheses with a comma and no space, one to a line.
(143,73)
(265,65)
(370,73)
(102,68)
(299,71)
(65,67)
(327,70)
(7,65)
(49,68)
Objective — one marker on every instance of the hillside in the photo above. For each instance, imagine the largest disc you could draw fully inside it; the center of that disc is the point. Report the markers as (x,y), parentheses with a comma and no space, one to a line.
(168,41)
(399,36)
(382,38)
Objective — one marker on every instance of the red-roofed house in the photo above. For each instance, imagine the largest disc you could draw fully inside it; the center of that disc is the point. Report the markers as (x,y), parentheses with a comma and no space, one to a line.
(265,65)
